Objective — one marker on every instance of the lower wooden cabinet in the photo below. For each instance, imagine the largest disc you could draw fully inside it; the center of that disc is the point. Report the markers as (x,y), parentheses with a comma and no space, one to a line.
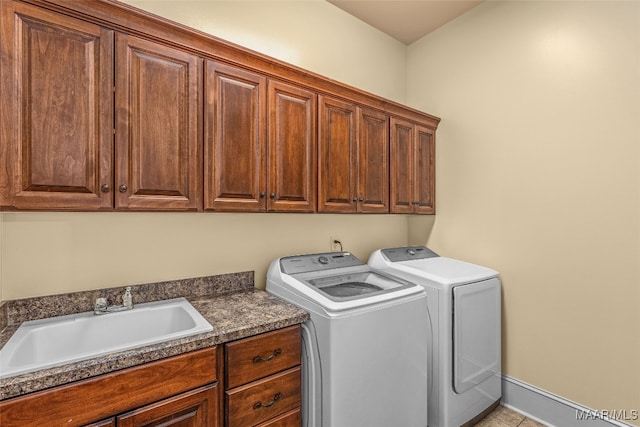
(262,377)
(181,387)
(196,408)
(263,380)
(289,419)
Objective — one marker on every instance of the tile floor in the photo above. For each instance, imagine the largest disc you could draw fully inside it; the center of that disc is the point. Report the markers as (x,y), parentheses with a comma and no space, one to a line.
(504,417)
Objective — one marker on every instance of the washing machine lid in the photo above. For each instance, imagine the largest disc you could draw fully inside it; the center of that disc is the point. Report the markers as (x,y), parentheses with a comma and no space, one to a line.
(427,265)
(340,281)
(354,284)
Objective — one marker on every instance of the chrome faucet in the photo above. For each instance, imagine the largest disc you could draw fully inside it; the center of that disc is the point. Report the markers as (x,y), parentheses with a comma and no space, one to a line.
(102,307)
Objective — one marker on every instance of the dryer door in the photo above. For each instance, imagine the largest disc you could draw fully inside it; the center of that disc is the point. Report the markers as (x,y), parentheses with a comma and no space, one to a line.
(476,333)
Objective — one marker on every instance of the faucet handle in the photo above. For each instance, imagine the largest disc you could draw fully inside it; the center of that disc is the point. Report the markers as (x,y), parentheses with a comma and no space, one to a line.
(100,305)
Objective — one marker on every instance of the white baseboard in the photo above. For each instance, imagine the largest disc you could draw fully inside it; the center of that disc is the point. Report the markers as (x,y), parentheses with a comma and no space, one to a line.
(553,410)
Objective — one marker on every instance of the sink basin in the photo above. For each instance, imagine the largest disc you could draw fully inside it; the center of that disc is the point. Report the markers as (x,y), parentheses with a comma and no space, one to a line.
(39,344)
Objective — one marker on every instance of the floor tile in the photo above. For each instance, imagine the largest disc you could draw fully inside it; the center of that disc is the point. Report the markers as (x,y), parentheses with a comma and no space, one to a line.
(502,417)
(528,422)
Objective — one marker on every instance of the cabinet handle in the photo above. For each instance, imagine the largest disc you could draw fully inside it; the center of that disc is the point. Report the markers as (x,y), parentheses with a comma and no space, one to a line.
(259,359)
(105,188)
(272,195)
(416,203)
(123,188)
(259,405)
(263,195)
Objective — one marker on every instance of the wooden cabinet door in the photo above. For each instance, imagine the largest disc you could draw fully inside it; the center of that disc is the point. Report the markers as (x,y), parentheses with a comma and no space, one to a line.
(291,149)
(158,145)
(402,163)
(373,169)
(197,408)
(424,177)
(337,156)
(235,139)
(56,117)
(412,168)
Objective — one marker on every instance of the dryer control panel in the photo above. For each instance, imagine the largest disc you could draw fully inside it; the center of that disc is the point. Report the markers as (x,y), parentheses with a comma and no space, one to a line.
(407,253)
(318,262)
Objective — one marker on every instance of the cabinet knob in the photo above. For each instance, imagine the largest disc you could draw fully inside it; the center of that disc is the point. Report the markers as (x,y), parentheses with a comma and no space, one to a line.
(123,188)
(361,199)
(272,195)
(105,188)
(263,195)
(355,199)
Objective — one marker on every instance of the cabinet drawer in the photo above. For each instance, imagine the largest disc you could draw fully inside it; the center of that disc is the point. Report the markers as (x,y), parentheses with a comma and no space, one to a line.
(262,355)
(290,419)
(264,399)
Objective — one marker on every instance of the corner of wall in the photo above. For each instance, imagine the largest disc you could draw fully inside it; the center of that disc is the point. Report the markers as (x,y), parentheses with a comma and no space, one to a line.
(419,229)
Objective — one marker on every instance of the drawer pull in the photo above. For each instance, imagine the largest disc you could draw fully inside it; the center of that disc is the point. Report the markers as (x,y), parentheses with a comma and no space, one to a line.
(259,405)
(259,359)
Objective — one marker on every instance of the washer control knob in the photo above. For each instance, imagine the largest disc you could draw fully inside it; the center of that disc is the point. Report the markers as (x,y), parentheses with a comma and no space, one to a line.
(323,260)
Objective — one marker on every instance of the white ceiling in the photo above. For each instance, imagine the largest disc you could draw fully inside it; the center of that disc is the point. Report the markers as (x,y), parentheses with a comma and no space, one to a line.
(406,20)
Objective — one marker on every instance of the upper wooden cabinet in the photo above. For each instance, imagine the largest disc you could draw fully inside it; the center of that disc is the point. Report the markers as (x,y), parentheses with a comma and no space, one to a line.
(158,144)
(353,156)
(337,156)
(373,175)
(235,139)
(246,169)
(412,168)
(57,111)
(291,148)
(106,107)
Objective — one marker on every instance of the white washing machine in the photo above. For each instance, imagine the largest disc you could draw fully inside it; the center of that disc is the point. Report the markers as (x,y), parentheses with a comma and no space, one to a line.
(464,309)
(364,355)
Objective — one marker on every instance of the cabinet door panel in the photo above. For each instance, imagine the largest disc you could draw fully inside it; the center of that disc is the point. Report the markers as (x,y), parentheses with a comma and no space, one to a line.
(235,139)
(424,181)
(292,149)
(157,137)
(373,163)
(402,174)
(337,162)
(57,103)
(196,408)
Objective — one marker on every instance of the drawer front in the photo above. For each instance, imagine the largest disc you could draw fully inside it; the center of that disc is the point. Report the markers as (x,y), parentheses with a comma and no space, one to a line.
(102,396)
(262,400)
(290,419)
(262,355)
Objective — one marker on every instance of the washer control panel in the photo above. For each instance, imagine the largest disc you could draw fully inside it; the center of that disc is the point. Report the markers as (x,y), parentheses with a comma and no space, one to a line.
(318,262)
(407,253)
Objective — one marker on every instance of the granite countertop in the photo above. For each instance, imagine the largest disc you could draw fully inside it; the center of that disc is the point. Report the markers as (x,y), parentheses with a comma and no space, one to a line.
(229,302)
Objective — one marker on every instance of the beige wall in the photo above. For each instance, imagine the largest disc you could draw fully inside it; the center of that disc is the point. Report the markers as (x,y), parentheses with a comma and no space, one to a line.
(46,253)
(538,161)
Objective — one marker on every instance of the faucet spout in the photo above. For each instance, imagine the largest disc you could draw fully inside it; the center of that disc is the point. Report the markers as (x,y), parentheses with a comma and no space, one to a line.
(102,307)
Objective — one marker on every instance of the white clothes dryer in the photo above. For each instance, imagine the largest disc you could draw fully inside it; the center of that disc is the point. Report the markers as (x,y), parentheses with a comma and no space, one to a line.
(364,348)
(465,337)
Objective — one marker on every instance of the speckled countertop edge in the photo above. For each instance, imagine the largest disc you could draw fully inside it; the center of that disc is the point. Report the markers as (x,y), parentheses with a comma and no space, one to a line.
(235,311)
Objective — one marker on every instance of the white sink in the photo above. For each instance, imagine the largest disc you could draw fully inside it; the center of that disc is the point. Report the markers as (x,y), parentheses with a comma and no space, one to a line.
(39,344)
